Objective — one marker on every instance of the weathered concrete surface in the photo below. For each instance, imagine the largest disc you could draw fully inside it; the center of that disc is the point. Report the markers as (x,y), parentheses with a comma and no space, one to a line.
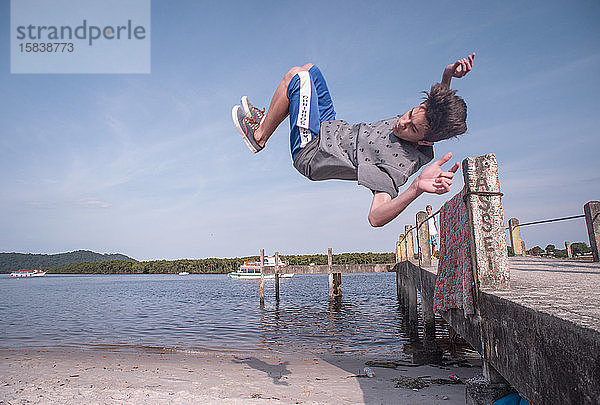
(515,237)
(424,246)
(410,250)
(544,330)
(568,289)
(486,218)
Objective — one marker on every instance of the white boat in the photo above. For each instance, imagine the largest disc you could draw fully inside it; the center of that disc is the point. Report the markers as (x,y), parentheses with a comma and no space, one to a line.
(184,273)
(251,269)
(28,273)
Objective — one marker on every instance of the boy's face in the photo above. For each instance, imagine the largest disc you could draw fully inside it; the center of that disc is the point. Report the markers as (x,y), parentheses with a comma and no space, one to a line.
(428,209)
(412,126)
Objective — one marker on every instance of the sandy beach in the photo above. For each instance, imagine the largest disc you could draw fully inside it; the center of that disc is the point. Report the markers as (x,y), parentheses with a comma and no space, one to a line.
(72,376)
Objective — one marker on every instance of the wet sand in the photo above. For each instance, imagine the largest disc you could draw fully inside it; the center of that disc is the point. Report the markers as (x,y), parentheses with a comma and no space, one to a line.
(72,376)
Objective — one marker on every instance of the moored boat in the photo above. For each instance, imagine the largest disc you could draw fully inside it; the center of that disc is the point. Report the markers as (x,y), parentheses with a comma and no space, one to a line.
(251,269)
(28,273)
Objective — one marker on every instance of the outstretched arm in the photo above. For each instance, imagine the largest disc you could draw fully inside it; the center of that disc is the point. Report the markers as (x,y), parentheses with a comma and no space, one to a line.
(457,69)
(431,180)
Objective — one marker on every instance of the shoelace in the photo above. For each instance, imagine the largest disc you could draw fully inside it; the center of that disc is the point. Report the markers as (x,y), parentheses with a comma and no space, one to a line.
(257,111)
(251,123)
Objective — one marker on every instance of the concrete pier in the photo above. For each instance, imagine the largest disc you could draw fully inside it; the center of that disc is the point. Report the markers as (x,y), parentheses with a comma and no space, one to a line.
(544,332)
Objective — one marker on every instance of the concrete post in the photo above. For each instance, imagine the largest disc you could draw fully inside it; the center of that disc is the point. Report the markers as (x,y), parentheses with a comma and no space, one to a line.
(330,273)
(262,277)
(523,248)
(277,276)
(515,236)
(413,316)
(423,242)
(402,247)
(490,260)
(592,219)
(410,250)
(568,250)
(486,220)
(398,260)
(428,352)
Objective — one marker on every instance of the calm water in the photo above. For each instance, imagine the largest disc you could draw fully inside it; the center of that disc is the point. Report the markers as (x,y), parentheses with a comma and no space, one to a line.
(202,312)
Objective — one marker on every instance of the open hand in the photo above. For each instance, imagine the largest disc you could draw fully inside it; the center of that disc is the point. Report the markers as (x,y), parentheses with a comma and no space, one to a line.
(460,68)
(433,179)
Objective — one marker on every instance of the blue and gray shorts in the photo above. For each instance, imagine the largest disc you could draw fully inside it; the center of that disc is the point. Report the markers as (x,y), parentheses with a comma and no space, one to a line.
(310,104)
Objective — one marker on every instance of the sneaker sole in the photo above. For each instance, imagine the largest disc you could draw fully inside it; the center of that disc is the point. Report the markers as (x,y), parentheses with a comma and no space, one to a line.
(240,130)
(245,106)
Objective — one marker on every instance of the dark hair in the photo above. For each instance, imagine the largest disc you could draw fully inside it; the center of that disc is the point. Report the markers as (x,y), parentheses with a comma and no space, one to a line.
(446,113)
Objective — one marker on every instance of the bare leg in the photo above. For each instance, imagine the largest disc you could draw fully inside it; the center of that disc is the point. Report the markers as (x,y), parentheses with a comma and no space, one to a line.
(279,107)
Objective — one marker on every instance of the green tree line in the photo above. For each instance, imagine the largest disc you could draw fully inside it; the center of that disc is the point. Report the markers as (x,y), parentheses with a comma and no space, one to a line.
(16,261)
(210,265)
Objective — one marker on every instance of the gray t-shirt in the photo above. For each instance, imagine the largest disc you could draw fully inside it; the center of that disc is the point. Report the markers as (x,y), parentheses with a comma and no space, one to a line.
(369,153)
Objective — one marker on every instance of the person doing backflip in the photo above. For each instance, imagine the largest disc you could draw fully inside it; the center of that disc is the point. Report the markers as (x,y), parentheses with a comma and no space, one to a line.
(380,156)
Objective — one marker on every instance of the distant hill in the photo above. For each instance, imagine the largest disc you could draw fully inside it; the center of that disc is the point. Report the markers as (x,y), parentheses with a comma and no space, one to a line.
(15,261)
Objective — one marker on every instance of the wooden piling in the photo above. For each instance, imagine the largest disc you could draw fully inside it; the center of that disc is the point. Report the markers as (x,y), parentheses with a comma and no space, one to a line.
(337,284)
(262,276)
(515,236)
(277,276)
(423,241)
(486,220)
(592,220)
(330,273)
(410,249)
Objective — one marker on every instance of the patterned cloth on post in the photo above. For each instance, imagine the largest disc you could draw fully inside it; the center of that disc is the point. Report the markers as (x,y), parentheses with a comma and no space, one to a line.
(454,282)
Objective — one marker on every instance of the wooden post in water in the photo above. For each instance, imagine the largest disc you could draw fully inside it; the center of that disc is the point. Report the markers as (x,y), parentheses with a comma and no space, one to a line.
(410,250)
(592,220)
(515,236)
(335,278)
(262,277)
(277,276)
(486,220)
(330,272)
(337,284)
(423,239)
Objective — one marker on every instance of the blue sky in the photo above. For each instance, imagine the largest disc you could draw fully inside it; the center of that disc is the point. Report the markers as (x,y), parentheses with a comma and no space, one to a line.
(152,167)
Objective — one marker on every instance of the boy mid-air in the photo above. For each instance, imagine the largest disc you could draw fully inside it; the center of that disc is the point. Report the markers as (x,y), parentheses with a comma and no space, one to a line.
(381,155)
